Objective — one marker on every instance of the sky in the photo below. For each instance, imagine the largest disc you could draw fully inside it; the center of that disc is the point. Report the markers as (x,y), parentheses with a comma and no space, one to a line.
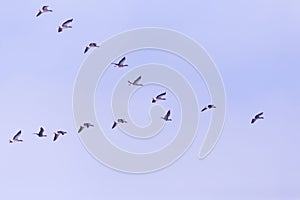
(255,46)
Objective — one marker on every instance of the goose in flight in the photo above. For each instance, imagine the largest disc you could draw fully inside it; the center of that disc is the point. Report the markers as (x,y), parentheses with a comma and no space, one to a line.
(44,9)
(58,133)
(210,106)
(256,117)
(167,115)
(40,133)
(16,138)
(136,82)
(85,125)
(118,121)
(91,45)
(65,25)
(120,63)
(159,97)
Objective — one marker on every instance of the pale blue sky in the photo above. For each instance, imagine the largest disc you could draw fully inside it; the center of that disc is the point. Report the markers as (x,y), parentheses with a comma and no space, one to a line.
(255,45)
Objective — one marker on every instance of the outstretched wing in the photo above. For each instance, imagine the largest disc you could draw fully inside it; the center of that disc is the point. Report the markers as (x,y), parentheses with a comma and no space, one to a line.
(55,136)
(67,22)
(168,114)
(41,131)
(122,61)
(204,109)
(39,13)
(17,135)
(80,129)
(86,49)
(160,95)
(114,125)
(137,80)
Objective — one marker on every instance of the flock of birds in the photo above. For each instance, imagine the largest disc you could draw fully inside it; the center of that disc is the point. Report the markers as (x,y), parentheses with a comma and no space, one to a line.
(120,64)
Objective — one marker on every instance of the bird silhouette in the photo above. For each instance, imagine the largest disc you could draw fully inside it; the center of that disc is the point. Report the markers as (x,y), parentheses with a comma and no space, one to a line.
(91,45)
(40,133)
(118,121)
(44,9)
(16,137)
(65,25)
(159,97)
(85,125)
(57,134)
(136,82)
(166,116)
(120,63)
(210,106)
(256,117)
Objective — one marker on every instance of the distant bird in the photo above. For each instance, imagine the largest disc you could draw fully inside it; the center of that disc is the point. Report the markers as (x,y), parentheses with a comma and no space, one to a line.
(120,63)
(91,45)
(40,133)
(136,82)
(58,133)
(16,138)
(167,115)
(44,9)
(85,125)
(159,97)
(118,121)
(65,25)
(256,117)
(210,106)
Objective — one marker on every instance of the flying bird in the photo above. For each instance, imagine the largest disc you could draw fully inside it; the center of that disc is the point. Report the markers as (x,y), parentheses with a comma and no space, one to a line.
(58,133)
(167,115)
(40,133)
(16,138)
(256,117)
(91,45)
(118,121)
(65,25)
(85,125)
(44,9)
(159,97)
(120,63)
(136,82)
(210,106)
